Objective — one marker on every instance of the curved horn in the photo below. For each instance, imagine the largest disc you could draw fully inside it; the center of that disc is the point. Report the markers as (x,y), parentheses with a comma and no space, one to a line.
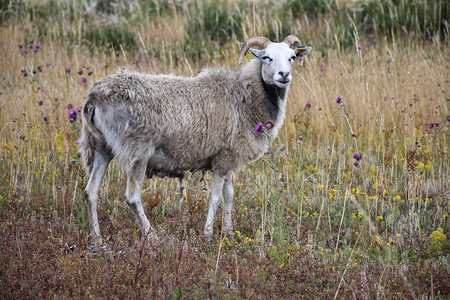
(292,40)
(254,41)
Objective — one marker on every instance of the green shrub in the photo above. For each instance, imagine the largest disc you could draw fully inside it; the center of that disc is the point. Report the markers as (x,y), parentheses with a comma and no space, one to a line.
(162,7)
(312,8)
(211,22)
(424,17)
(9,8)
(111,35)
(54,10)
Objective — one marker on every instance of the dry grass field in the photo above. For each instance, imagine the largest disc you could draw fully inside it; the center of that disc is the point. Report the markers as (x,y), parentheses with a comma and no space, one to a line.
(351,202)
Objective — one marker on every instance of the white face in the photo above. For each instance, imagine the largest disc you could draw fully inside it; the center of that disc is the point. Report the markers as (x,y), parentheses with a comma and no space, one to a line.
(277,60)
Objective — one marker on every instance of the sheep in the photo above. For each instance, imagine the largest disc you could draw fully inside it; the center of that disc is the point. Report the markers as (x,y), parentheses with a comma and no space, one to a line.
(164,125)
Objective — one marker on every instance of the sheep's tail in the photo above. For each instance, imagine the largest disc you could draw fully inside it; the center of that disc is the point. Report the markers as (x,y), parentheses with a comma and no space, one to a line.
(89,135)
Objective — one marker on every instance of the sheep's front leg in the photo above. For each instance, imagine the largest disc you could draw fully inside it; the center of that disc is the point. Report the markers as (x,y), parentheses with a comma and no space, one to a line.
(228,197)
(133,195)
(216,195)
(100,165)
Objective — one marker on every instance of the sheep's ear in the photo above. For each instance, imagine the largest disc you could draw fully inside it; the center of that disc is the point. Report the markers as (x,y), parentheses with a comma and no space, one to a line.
(257,53)
(302,51)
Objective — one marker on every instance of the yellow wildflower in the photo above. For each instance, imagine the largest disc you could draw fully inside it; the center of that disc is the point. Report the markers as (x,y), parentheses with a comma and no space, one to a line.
(378,240)
(438,238)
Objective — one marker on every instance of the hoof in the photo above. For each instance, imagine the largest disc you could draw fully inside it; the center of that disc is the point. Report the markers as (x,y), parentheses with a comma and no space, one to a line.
(152,237)
(97,240)
(96,249)
(208,232)
(208,235)
(229,232)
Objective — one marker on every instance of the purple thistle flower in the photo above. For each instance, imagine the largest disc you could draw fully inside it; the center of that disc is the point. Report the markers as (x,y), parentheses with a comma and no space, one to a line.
(78,154)
(83,79)
(360,47)
(90,73)
(355,163)
(31,41)
(78,142)
(45,118)
(69,106)
(22,70)
(437,124)
(40,102)
(356,156)
(322,69)
(269,125)
(219,42)
(259,127)
(40,69)
(431,126)
(80,71)
(20,46)
(308,105)
(48,64)
(72,113)
(36,50)
(338,100)
(34,71)
(71,120)
(300,138)
(67,70)
(30,46)
(25,51)
(38,46)
(25,74)
(79,109)
(343,231)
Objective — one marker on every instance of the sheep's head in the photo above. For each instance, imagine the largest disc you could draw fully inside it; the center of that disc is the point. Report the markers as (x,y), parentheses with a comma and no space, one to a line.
(277,58)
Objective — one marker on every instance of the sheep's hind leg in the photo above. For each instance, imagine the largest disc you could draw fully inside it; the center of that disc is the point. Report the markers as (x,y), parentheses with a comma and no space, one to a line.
(228,197)
(181,197)
(216,195)
(133,195)
(100,165)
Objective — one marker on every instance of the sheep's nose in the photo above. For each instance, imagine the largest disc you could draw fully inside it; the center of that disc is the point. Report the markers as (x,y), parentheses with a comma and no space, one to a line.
(284,74)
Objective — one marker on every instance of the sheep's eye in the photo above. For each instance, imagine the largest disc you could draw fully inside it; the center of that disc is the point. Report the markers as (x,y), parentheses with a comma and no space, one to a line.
(267,58)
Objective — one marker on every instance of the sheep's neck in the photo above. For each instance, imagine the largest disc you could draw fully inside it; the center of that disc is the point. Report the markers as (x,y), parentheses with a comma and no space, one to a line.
(273,96)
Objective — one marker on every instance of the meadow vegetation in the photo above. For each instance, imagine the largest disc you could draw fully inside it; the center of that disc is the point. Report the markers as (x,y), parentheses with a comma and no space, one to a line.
(352,201)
